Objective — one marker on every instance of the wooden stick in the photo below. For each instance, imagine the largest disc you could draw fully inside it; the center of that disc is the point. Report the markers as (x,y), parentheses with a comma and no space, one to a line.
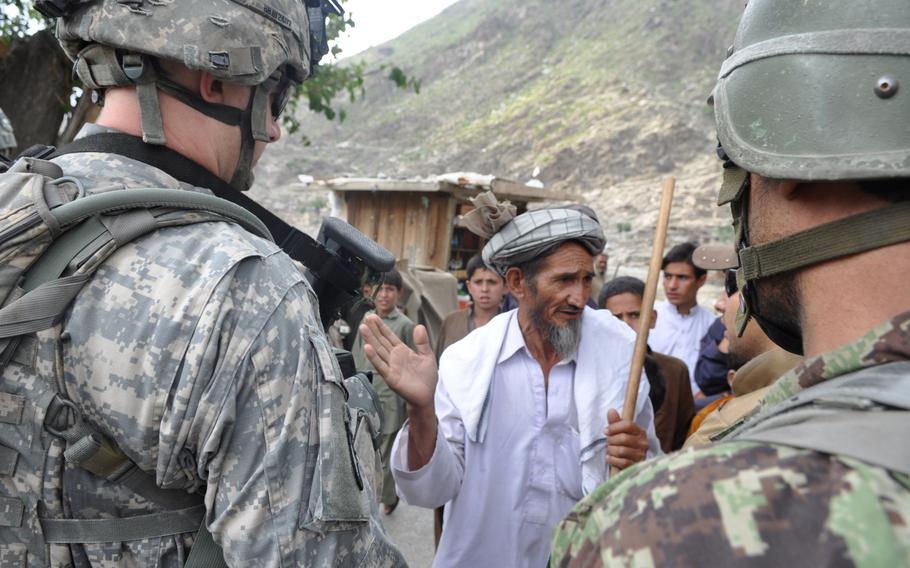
(647,302)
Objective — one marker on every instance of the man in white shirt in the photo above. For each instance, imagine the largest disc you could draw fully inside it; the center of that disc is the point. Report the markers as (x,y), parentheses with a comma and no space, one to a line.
(681,322)
(514,432)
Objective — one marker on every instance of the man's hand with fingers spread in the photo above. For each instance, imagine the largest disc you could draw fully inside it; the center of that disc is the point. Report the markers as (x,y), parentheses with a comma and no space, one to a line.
(412,375)
(627,443)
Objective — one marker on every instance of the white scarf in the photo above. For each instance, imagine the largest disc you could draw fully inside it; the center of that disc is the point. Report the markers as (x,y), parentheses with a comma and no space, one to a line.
(601,372)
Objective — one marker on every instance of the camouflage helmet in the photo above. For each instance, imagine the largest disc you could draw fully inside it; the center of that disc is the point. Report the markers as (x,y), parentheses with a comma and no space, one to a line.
(270,45)
(7,138)
(238,41)
(813,90)
(818,90)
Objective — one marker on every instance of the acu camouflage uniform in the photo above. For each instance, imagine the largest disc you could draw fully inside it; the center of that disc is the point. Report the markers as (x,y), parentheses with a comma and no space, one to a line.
(198,350)
(755,504)
(7,137)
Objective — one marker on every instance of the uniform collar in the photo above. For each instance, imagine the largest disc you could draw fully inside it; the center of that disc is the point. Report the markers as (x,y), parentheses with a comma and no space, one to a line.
(885,343)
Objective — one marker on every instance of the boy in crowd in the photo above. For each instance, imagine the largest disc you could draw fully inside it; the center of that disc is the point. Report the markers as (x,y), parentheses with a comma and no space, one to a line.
(393,410)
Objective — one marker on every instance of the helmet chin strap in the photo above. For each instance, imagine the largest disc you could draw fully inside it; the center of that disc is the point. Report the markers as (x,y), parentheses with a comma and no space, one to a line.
(99,68)
(252,121)
(254,127)
(858,233)
(783,335)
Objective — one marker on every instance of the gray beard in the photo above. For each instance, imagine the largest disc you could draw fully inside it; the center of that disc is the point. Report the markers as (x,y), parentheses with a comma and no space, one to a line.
(563,339)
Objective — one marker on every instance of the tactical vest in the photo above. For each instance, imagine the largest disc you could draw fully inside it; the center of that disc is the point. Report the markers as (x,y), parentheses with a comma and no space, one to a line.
(52,239)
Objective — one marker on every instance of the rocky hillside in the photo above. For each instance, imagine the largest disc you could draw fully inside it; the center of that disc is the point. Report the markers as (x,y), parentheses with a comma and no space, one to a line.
(602,97)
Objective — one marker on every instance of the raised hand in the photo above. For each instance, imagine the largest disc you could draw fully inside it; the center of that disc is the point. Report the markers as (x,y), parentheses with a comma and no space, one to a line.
(411,374)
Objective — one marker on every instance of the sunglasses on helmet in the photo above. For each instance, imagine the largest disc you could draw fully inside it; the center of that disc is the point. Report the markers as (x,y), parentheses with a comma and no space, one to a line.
(280,86)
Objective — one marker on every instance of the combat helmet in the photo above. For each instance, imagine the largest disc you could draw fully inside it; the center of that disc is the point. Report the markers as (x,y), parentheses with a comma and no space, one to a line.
(814,90)
(271,45)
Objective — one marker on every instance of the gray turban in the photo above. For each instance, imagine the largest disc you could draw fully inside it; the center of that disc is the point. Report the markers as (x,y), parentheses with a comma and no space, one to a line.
(538,233)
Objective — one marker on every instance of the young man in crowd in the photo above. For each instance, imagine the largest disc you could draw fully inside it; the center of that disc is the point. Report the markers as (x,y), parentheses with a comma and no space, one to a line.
(386,300)
(667,375)
(713,364)
(682,322)
(486,288)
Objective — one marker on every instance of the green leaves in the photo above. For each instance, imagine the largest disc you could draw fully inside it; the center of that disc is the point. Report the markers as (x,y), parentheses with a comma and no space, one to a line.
(18,18)
(402,81)
(329,83)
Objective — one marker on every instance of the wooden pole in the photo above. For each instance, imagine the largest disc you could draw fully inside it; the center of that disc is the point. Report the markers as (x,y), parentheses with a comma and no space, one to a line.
(647,302)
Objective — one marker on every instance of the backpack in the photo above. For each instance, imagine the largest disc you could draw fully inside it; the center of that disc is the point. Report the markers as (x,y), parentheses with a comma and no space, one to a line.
(52,239)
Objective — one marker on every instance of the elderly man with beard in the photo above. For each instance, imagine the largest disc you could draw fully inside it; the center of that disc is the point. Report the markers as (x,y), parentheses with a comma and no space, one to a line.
(525,419)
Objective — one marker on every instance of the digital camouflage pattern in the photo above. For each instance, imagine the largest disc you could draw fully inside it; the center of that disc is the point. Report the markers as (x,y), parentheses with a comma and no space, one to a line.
(7,137)
(748,503)
(199,351)
(238,41)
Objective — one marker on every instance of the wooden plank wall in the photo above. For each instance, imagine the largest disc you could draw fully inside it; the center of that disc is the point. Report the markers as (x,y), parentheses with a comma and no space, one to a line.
(415,226)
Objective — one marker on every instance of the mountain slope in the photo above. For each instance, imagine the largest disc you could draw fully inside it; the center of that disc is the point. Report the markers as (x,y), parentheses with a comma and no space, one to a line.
(603,96)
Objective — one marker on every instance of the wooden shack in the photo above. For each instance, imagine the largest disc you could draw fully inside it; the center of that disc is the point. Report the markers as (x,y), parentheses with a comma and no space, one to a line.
(418,220)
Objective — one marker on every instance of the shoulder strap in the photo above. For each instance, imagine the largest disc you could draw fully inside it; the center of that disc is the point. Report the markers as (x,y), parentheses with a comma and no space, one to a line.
(205,552)
(121,529)
(859,415)
(117,218)
(47,294)
(146,198)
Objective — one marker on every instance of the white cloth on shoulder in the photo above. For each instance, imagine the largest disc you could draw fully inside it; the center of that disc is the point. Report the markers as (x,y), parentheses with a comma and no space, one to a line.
(603,360)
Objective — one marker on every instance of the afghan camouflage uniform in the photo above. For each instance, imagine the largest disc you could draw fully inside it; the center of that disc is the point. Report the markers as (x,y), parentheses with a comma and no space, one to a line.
(747,503)
(198,349)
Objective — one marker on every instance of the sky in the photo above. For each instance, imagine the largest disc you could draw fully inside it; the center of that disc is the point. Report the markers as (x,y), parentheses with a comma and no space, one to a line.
(378,21)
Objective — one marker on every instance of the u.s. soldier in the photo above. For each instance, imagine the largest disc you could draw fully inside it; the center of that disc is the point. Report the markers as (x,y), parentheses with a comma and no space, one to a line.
(196,350)
(813,117)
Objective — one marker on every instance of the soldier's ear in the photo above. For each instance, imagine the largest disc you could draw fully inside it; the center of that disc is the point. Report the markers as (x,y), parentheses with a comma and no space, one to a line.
(211,89)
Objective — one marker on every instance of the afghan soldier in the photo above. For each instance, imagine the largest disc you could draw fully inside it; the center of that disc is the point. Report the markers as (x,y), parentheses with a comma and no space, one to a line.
(194,351)
(7,136)
(813,117)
